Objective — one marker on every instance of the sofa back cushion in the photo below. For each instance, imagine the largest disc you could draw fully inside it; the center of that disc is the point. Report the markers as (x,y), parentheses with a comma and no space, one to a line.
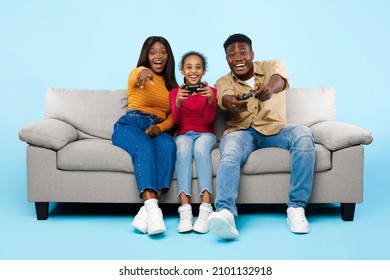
(305,106)
(92,112)
(220,122)
(308,106)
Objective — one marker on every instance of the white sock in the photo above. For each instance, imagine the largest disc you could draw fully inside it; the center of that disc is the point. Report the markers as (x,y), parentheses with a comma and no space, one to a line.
(208,205)
(151,203)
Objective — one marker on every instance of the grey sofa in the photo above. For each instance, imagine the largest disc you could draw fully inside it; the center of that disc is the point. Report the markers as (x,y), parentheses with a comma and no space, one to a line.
(70,157)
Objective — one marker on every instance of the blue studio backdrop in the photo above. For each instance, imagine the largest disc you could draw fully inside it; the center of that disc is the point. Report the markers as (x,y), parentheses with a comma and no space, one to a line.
(93,44)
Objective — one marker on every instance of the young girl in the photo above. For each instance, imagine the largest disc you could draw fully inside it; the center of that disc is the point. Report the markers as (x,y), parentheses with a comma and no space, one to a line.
(142,132)
(194,114)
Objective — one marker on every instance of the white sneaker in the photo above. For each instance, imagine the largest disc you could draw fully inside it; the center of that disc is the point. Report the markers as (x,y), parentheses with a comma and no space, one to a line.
(155,221)
(185,224)
(201,223)
(296,219)
(140,221)
(222,224)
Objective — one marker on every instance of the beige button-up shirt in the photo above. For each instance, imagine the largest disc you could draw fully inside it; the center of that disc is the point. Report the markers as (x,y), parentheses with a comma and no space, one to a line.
(267,117)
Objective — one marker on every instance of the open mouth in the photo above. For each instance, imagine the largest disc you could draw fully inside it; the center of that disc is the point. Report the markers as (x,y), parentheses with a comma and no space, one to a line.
(240,66)
(158,64)
(193,79)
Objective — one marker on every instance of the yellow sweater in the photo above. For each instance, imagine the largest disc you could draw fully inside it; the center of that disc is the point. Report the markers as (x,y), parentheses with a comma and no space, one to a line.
(152,99)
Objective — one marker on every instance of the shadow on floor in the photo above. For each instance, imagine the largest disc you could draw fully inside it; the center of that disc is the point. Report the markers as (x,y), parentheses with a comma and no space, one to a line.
(131,209)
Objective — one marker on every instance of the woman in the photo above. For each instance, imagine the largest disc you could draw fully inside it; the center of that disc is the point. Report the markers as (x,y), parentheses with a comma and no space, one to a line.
(143,131)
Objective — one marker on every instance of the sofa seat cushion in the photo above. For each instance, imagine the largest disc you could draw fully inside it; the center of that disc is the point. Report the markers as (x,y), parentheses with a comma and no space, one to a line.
(101,155)
(276,160)
(94,155)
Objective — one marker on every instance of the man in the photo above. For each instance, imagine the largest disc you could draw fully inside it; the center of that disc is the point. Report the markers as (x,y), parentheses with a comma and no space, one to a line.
(255,123)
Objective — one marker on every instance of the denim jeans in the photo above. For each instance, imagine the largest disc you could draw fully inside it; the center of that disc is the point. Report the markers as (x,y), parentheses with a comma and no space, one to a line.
(236,148)
(153,157)
(198,146)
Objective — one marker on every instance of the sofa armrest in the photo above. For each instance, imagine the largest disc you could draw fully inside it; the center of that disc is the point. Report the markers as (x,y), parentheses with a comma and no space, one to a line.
(48,133)
(335,135)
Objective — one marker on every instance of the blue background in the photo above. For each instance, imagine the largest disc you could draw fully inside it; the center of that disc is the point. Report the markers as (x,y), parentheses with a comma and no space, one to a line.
(93,44)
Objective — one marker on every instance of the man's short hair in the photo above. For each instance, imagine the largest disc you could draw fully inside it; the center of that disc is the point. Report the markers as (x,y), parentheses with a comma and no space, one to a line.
(237,38)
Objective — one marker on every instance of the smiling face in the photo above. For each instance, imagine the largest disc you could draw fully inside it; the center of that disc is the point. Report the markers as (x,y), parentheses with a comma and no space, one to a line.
(193,69)
(240,59)
(158,57)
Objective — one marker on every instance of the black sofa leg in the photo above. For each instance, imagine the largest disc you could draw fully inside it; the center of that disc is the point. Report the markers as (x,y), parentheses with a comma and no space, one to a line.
(347,211)
(42,210)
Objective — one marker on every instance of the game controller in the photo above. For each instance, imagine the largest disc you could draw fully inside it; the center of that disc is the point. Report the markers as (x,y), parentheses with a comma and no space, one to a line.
(245,96)
(193,88)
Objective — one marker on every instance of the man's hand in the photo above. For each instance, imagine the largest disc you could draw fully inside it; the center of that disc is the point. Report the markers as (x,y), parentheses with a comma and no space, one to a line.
(231,103)
(263,92)
(144,76)
(153,130)
(275,85)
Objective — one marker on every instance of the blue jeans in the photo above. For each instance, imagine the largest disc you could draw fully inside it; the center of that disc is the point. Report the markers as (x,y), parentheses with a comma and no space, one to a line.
(236,148)
(153,157)
(197,145)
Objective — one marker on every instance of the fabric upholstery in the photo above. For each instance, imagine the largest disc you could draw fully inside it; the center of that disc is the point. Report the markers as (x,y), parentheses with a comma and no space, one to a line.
(275,160)
(101,155)
(337,135)
(308,106)
(88,168)
(48,133)
(93,112)
(94,154)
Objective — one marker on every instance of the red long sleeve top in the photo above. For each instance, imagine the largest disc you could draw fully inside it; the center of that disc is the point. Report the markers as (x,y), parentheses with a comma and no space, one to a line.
(195,114)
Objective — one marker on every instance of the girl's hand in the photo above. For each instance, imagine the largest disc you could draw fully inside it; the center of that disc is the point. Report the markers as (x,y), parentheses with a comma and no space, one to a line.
(181,95)
(206,92)
(153,130)
(144,76)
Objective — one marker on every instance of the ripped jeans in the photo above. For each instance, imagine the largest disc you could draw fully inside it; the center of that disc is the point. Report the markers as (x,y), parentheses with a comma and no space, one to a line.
(194,145)
(236,148)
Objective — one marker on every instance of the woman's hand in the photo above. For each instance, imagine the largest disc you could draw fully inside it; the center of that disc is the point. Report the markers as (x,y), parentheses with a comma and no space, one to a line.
(144,76)
(153,130)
